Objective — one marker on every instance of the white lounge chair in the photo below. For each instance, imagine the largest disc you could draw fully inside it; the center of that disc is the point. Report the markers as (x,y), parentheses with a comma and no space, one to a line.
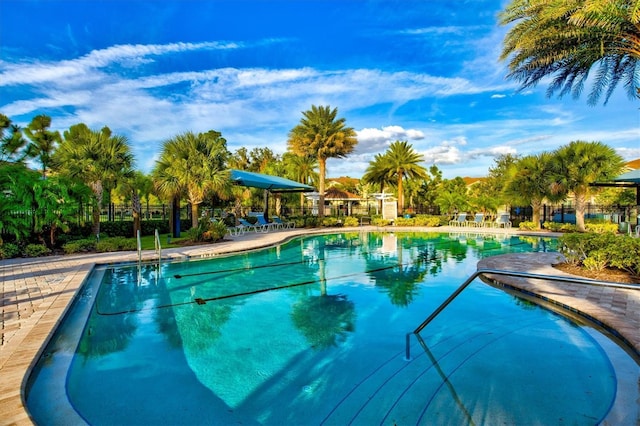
(460,221)
(502,221)
(478,220)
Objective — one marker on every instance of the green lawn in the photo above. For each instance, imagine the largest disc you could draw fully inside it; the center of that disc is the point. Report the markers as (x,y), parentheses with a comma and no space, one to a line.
(148,243)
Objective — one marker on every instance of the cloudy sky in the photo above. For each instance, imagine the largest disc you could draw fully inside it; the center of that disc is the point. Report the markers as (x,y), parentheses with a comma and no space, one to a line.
(422,71)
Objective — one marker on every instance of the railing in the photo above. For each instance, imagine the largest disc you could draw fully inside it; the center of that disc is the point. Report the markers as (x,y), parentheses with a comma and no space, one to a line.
(464,285)
(139,247)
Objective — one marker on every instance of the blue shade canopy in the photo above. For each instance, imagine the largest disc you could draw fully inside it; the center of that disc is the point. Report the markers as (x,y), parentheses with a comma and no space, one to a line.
(272,183)
(632,177)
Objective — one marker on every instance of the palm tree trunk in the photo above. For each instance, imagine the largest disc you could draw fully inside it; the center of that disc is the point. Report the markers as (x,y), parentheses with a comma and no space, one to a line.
(96,187)
(322,163)
(194,214)
(580,205)
(400,194)
(536,205)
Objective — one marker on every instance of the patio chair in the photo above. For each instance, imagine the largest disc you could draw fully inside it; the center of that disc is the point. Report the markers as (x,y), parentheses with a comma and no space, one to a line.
(460,221)
(478,220)
(502,221)
(263,222)
(283,225)
(248,226)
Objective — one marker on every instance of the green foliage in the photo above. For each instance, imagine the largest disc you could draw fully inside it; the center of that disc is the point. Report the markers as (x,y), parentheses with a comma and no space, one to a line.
(36,250)
(596,251)
(116,244)
(559,227)
(331,221)
(117,229)
(9,250)
(217,230)
(528,226)
(80,246)
(601,228)
(378,221)
(351,221)
(596,261)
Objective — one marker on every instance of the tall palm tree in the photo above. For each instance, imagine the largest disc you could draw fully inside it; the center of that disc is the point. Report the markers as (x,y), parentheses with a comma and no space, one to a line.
(566,39)
(97,158)
(402,161)
(530,181)
(301,168)
(43,141)
(195,164)
(377,173)
(12,144)
(323,135)
(577,165)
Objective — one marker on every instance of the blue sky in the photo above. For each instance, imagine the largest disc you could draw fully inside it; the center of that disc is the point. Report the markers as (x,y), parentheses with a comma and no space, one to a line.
(422,71)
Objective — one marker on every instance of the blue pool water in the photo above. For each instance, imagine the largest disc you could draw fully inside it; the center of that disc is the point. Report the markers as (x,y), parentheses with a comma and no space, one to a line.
(313,332)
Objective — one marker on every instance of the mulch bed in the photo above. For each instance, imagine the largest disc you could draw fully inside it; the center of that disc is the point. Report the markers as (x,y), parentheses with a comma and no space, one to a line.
(614,275)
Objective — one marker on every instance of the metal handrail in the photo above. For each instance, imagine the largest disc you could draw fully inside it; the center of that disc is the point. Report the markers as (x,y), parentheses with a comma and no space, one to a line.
(139,247)
(465,284)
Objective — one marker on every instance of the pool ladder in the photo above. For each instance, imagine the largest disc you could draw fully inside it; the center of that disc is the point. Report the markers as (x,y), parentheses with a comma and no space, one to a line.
(158,251)
(479,272)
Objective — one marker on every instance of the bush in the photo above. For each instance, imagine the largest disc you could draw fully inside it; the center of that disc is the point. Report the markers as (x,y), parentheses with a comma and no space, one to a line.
(116,244)
(9,250)
(217,230)
(80,246)
(528,226)
(378,221)
(427,220)
(330,221)
(404,221)
(351,221)
(36,250)
(601,228)
(559,227)
(596,251)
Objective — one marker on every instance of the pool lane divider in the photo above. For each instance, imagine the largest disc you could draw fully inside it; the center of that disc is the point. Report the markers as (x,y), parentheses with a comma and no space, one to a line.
(203,301)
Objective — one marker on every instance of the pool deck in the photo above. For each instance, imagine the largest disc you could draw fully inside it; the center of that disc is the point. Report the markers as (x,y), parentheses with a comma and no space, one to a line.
(37,291)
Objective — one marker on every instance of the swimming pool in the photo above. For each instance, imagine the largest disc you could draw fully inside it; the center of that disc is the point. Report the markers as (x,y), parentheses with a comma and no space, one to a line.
(313,332)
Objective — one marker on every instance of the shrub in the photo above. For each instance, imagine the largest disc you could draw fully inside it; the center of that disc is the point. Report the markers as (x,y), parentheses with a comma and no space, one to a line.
(80,246)
(351,221)
(36,250)
(528,226)
(330,221)
(427,220)
(404,221)
(596,251)
(217,231)
(115,244)
(9,250)
(601,228)
(378,221)
(559,227)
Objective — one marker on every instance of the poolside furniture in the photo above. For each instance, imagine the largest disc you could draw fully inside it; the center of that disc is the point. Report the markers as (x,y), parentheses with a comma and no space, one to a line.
(460,221)
(502,221)
(283,225)
(478,220)
(263,222)
(248,226)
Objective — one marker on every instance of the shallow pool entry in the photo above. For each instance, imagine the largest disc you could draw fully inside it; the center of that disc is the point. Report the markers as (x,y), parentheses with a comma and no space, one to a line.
(313,332)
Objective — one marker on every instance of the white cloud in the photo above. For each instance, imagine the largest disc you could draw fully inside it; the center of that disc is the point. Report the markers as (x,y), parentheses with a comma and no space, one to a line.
(498,96)
(378,140)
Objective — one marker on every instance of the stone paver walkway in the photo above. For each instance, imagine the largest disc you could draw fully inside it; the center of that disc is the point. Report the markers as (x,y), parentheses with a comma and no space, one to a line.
(36,293)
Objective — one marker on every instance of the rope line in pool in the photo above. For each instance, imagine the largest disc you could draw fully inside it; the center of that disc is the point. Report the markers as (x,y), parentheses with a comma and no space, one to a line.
(202,301)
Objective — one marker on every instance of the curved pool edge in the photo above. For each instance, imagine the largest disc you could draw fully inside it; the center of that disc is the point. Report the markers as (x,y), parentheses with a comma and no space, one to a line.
(55,281)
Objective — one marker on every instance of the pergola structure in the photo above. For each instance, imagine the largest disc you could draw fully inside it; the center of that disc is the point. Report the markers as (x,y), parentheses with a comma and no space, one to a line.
(626,180)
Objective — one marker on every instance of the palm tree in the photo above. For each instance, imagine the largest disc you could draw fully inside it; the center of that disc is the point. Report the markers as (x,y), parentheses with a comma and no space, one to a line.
(11,145)
(566,39)
(43,141)
(577,165)
(530,181)
(194,164)
(97,158)
(301,168)
(402,162)
(377,173)
(324,136)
